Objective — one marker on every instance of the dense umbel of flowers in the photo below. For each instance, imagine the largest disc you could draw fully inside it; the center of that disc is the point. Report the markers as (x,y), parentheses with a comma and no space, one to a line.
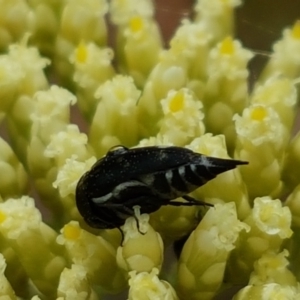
(193,93)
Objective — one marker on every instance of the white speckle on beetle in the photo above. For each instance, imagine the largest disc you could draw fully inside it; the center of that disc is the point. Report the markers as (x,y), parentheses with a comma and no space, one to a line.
(169,176)
(207,162)
(181,171)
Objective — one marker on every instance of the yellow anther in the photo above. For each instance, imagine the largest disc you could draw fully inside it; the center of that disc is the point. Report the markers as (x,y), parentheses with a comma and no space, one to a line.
(81,53)
(177,102)
(258,113)
(2,216)
(227,46)
(71,232)
(136,24)
(296,30)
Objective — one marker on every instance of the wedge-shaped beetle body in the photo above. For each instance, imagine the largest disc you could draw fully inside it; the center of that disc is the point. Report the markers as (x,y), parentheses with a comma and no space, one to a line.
(149,177)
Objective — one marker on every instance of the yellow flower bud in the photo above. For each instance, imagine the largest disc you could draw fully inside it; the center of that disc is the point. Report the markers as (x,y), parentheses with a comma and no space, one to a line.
(182,117)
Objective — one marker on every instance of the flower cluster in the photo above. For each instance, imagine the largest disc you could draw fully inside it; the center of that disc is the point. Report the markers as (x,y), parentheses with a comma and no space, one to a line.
(56,67)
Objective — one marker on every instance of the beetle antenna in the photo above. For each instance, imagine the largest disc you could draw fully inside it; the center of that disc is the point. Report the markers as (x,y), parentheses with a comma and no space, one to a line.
(196,202)
(122,235)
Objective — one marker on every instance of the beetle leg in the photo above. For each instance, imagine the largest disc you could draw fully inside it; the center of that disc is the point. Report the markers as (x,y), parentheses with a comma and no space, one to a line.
(122,235)
(128,211)
(132,214)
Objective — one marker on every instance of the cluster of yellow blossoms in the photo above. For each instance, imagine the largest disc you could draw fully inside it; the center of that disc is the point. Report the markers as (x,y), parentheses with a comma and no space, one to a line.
(193,94)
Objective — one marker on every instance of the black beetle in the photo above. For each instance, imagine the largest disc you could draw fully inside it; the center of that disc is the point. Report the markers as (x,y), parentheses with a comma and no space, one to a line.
(148,177)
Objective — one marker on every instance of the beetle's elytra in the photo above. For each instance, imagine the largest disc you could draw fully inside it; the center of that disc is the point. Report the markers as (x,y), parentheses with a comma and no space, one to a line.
(149,177)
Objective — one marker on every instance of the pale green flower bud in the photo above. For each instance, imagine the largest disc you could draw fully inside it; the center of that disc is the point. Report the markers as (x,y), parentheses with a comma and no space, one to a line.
(147,286)
(280,94)
(285,59)
(5,288)
(204,256)
(88,60)
(91,25)
(169,74)
(67,143)
(70,173)
(191,42)
(116,119)
(217,16)
(122,10)
(19,126)
(66,181)
(12,75)
(173,222)
(32,64)
(270,225)
(33,241)
(49,116)
(182,117)
(226,89)
(14,271)
(273,268)
(269,217)
(268,291)
(93,66)
(14,181)
(96,255)
(142,249)
(260,130)
(45,24)
(16,16)
(74,285)
(139,49)
(154,141)
(50,105)
(91,28)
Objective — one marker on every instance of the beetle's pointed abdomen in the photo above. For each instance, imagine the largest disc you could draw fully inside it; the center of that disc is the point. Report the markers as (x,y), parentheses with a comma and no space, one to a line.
(207,167)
